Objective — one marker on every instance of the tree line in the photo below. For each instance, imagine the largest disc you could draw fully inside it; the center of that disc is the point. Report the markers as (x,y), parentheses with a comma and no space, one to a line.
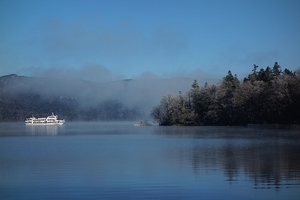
(265,96)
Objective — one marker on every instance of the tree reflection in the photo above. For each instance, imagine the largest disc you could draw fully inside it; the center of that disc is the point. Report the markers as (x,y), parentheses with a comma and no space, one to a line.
(269,158)
(230,162)
(269,164)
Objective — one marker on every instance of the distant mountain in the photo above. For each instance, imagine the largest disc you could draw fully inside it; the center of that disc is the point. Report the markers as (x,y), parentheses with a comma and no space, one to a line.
(22,96)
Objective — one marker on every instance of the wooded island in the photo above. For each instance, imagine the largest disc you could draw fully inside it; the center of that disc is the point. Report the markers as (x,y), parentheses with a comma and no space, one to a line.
(267,96)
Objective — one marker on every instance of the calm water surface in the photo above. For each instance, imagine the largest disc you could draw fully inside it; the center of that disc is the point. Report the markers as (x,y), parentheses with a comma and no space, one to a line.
(88,160)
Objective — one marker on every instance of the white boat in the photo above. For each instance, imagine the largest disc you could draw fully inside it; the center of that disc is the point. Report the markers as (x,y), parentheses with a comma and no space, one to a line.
(50,120)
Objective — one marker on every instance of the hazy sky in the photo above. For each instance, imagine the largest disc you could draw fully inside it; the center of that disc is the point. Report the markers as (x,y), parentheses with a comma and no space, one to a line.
(113,39)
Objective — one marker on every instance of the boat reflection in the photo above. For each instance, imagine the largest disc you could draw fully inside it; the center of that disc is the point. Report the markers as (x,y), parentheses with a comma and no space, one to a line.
(46,130)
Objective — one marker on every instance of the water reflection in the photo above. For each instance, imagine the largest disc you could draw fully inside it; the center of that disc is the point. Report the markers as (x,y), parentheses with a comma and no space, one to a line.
(268,158)
(120,161)
(49,130)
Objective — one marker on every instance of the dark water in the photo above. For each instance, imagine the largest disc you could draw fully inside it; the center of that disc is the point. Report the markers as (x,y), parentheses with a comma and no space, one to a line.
(120,161)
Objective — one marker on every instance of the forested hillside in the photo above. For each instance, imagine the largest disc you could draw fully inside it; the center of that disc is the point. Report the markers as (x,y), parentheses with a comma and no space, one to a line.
(266,96)
(23,105)
(22,97)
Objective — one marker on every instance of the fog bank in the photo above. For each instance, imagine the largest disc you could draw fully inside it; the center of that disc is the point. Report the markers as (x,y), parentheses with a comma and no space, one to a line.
(143,92)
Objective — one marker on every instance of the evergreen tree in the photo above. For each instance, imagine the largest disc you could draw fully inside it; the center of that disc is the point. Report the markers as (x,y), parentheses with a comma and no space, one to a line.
(226,99)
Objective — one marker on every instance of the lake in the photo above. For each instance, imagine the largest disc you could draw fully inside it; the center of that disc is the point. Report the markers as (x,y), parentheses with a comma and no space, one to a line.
(116,160)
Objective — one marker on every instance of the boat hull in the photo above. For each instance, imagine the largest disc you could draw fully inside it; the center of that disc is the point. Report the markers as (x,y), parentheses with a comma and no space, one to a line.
(43,124)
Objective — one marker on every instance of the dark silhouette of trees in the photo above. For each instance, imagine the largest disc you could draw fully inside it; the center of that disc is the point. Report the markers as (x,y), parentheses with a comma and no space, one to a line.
(266,96)
(173,110)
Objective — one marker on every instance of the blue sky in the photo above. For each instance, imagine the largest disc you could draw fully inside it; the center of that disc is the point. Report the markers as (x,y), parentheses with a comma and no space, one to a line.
(105,40)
